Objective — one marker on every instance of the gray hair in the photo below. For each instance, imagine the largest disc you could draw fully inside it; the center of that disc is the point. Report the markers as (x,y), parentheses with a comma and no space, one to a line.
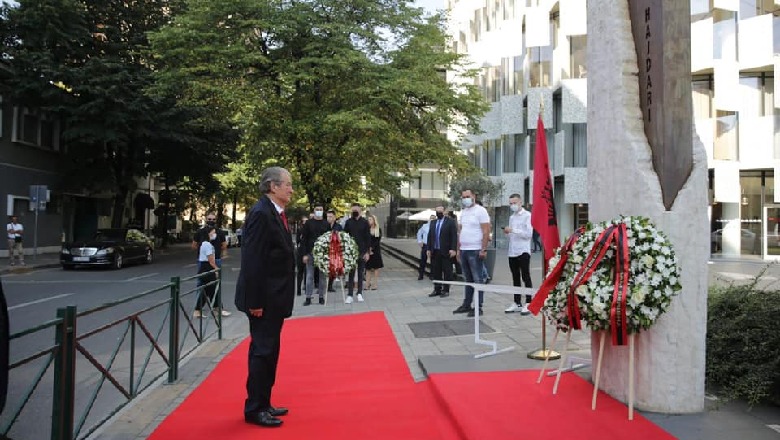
(270,175)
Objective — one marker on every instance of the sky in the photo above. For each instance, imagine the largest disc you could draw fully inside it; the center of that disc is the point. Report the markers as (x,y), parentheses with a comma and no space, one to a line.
(431,5)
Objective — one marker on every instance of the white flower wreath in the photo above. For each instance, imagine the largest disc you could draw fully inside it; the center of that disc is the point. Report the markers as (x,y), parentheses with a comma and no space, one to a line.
(654,278)
(321,251)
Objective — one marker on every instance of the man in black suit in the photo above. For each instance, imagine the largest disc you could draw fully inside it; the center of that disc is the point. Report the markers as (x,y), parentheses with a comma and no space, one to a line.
(442,244)
(265,291)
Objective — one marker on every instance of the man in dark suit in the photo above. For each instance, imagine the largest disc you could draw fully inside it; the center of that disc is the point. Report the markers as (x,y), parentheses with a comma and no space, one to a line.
(265,291)
(442,244)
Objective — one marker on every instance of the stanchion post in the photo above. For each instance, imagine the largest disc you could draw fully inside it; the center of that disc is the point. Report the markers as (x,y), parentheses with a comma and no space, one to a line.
(543,354)
(64,375)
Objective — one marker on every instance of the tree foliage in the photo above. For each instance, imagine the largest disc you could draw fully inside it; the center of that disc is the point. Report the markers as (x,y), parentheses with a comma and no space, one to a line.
(351,96)
(86,62)
(486,190)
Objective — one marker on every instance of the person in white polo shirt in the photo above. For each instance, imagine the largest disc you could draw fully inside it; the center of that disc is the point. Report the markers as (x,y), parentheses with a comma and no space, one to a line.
(15,232)
(473,236)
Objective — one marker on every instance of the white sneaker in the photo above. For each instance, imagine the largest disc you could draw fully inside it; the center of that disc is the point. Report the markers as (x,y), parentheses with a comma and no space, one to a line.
(524,310)
(360,298)
(349,299)
(513,308)
(225,313)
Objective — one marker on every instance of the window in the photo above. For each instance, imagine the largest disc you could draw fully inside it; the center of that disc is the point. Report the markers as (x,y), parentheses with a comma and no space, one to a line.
(724,35)
(579,145)
(34,127)
(701,89)
(726,145)
(509,153)
(540,60)
(579,61)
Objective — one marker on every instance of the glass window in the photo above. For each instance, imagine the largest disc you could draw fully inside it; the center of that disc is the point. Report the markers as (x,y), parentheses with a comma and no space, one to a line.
(521,155)
(724,35)
(540,64)
(579,145)
(702,92)
(751,96)
(509,153)
(579,60)
(726,145)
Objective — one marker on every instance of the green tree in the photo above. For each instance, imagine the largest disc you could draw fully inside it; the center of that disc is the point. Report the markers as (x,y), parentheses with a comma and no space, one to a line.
(485,189)
(351,96)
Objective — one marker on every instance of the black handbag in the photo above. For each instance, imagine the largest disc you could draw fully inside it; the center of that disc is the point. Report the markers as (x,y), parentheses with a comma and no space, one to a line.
(18,239)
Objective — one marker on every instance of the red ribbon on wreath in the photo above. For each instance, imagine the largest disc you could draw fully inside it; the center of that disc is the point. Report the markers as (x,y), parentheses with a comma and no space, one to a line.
(335,256)
(618,321)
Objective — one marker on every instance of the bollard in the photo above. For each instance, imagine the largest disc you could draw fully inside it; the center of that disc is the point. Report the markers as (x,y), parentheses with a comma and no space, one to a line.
(64,375)
(173,332)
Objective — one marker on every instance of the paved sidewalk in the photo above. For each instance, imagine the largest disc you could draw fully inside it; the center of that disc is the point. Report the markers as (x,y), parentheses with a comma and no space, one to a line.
(405,301)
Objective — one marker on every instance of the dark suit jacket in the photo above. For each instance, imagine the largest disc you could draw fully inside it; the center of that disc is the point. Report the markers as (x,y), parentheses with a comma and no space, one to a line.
(267,277)
(448,235)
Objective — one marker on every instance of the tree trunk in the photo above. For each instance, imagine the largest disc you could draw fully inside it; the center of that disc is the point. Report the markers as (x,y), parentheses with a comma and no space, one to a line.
(235,203)
(118,214)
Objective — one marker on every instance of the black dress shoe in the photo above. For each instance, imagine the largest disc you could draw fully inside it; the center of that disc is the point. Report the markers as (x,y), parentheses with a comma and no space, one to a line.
(434,293)
(276,412)
(322,300)
(471,313)
(307,302)
(444,294)
(331,290)
(462,309)
(262,418)
(419,278)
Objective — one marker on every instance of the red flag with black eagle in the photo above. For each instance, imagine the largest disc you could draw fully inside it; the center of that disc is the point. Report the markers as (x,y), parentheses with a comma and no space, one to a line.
(543,218)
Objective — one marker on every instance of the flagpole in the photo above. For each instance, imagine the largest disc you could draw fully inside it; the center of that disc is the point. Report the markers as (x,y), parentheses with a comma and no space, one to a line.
(543,354)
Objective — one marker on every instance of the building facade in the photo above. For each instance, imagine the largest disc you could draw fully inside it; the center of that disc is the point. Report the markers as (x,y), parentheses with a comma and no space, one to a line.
(531,57)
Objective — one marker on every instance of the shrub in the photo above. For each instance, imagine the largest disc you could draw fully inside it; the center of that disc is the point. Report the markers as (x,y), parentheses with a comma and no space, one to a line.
(743,342)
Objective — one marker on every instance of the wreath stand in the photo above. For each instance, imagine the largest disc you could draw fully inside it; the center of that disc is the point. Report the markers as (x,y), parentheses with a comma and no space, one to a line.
(597,376)
(340,279)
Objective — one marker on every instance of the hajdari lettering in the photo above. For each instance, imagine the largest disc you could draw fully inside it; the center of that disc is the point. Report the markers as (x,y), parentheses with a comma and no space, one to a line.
(648,68)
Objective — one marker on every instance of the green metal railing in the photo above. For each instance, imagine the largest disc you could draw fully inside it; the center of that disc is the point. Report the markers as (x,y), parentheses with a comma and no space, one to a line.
(66,422)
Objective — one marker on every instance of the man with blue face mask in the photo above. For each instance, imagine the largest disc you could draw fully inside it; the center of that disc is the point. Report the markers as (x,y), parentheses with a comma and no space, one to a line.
(473,237)
(312,230)
(519,233)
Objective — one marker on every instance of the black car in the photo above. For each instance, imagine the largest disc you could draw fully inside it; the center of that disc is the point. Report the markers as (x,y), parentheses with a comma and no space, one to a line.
(109,247)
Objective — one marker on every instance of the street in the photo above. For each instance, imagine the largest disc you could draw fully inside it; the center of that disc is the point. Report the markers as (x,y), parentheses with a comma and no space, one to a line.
(34,297)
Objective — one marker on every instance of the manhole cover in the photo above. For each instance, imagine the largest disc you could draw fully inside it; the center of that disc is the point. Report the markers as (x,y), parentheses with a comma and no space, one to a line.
(438,329)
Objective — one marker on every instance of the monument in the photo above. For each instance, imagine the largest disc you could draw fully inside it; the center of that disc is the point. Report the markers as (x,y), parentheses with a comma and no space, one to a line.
(644,159)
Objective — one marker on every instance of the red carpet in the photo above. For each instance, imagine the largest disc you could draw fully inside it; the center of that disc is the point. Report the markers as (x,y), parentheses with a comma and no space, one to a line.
(342,378)
(511,405)
(345,378)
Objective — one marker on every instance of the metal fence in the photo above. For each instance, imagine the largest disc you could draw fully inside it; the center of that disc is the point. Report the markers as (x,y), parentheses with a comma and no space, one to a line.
(85,377)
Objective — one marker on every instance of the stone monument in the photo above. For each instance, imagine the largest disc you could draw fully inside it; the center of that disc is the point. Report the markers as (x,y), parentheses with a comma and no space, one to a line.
(644,159)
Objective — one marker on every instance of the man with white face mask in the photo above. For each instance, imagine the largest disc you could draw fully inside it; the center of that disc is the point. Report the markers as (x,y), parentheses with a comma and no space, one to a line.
(473,237)
(519,233)
(312,230)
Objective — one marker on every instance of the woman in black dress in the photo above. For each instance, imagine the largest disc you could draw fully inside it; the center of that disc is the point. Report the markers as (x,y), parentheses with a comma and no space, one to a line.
(374,262)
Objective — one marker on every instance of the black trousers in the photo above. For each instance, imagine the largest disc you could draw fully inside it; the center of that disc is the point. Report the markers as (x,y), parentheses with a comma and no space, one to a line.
(206,295)
(423,259)
(520,267)
(441,269)
(263,358)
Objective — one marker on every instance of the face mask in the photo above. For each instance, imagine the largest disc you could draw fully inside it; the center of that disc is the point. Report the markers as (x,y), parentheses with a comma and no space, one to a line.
(212,237)
(318,214)
(439,215)
(466,201)
(355,214)
(514,208)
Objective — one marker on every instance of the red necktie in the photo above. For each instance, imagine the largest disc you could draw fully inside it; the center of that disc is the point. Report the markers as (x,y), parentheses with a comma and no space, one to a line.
(284,219)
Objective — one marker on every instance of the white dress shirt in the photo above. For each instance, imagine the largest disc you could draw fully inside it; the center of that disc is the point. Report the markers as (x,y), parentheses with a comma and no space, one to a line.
(521,233)
(422,233)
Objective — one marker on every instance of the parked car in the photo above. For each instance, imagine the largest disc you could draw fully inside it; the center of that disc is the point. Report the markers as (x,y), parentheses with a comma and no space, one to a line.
(748,241)
(109,247)
(230,237)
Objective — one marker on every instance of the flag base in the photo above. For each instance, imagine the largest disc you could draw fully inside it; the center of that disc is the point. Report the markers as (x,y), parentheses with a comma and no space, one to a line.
(542,354)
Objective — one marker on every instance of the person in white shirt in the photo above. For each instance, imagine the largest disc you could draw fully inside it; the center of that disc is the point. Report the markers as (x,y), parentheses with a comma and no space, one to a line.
(15,231)
(519,233)
(422,240)
(473,237)
(207,263)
